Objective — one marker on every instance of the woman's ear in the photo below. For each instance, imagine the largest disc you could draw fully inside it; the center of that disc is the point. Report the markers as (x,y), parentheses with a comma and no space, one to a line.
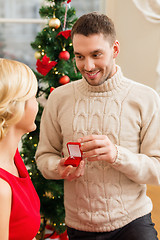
(116,49)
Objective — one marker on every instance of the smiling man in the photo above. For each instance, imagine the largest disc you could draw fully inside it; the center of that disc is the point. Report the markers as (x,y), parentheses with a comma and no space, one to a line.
(117,123)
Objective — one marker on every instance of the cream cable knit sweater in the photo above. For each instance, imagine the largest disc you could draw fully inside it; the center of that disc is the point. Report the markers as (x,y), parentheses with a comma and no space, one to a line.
(108,196)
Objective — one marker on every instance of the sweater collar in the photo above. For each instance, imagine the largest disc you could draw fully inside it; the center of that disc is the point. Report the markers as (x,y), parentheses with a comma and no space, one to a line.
(107,88)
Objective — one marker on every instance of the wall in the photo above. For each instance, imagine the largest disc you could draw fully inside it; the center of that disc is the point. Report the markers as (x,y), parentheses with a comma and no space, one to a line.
(139,41)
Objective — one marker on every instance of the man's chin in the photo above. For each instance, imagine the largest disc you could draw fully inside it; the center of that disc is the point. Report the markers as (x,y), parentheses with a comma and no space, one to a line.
(94,82)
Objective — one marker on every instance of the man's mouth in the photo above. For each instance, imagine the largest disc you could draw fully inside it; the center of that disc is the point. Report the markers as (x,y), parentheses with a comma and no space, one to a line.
(92,74)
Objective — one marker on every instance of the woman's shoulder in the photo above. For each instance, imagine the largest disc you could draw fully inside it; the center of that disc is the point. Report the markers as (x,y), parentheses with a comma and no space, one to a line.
(5,208)
(5,197)
(5,189)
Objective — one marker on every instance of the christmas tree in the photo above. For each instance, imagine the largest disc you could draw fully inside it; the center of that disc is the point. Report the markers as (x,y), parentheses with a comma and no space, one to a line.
(55,67)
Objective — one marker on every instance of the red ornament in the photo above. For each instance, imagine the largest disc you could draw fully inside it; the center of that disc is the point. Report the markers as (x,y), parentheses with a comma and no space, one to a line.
(64,79)
(51,89)
(64,55)
(45,65)
(68,1)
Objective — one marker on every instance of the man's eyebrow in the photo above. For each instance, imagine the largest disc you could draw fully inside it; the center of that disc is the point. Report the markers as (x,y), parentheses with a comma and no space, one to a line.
(95,51)
(77,53)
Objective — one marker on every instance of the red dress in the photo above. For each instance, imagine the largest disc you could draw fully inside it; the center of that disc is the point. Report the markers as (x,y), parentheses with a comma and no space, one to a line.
(25,211)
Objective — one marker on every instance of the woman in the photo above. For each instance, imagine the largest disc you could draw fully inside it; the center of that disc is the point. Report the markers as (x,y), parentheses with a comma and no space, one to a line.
(19,202)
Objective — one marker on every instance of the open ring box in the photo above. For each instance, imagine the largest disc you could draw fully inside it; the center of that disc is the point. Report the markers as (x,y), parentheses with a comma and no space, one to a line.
(75,154)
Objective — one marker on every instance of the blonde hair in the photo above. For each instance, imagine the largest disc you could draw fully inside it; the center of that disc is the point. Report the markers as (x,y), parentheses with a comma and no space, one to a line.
(17,84)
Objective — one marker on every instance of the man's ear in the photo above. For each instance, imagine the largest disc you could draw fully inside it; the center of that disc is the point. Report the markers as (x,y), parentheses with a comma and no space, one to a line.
(116,49)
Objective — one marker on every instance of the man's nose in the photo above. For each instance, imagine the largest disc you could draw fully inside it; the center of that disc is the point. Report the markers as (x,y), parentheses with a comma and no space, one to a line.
(89,64)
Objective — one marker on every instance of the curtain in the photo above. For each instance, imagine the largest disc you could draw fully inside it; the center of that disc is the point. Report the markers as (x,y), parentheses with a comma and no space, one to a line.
(151,10)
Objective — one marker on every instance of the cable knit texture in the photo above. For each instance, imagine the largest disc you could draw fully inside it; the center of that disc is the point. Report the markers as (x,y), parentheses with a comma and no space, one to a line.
(108,196)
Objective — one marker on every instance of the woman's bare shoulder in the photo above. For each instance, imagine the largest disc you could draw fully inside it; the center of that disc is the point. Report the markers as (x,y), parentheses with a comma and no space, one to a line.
(5,189)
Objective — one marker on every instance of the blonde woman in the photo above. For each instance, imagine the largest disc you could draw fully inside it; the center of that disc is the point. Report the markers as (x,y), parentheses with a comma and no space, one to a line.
(19,202)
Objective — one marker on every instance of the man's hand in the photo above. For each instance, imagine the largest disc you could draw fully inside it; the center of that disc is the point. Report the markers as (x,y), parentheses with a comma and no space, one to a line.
(97,148)
(69,172)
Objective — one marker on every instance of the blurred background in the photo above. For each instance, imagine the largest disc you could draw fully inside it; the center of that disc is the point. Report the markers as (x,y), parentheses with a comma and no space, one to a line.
(16,33)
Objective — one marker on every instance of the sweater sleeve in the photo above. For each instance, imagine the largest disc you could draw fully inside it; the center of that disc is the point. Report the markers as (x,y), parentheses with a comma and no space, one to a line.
(144,167)
(49,149)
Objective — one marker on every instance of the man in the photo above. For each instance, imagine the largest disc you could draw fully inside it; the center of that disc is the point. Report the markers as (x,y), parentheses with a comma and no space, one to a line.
(117,122)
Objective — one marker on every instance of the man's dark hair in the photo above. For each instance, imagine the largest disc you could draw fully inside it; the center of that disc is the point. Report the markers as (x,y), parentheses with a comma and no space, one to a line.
(94,23)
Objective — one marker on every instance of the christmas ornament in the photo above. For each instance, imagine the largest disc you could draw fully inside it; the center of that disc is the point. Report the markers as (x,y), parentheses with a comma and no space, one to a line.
(54,23)
(64,79)
(50,233)
(51,89)
(65,16)
(37,55)
(45,65)
(66,34)
(64,55)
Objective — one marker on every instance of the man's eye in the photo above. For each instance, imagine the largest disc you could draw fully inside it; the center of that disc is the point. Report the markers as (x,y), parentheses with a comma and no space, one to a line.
(79,57)
(97,55)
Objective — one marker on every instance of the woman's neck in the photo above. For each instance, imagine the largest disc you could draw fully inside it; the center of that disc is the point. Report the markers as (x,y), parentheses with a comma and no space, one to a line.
(8,147)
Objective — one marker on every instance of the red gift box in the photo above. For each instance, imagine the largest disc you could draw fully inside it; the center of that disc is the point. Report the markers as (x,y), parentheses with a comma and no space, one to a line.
(75,154)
